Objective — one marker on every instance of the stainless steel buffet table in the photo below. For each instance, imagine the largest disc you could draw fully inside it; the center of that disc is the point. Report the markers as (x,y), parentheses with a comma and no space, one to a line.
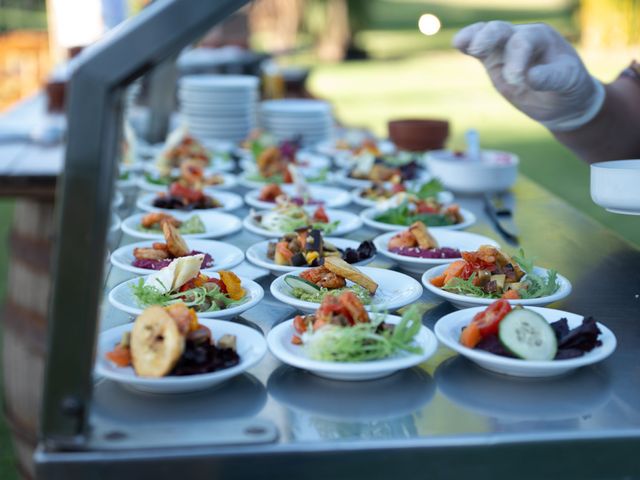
(446,419)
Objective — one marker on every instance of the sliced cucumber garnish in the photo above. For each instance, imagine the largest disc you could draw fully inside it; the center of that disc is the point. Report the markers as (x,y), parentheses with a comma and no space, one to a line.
(301,283)
(528,335)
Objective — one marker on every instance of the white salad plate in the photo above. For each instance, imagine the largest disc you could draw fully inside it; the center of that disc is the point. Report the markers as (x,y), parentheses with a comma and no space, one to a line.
(343,178)
(368,214)
(251,348)
(328,196)
(448,330)
(247,179)
(305,161)
(331,148)
(614,186)
(230,201)
(257,254)
(463,241)
(348,223)
(216,224)
(444,197)
(466,301)
(229,181)
(395,290)
(279,341)
(225,255)
(122,298)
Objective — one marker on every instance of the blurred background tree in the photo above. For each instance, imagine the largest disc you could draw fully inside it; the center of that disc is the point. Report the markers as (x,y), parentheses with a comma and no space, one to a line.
(610,23)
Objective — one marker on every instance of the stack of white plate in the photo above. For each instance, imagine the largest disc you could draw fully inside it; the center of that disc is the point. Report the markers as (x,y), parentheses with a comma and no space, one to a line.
(289,118)
(219,107)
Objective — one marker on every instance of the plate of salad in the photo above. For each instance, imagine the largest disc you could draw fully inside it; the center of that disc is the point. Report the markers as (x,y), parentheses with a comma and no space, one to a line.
(402,210)
(204,224)
(380,192)
(181,200)
(377,288)
(487,274)
(307,248)
(525,341)
(145,257)
(419,248)
(342,341)
(269,195)
(212,295)
(287,217)
(154,181)
(186,354)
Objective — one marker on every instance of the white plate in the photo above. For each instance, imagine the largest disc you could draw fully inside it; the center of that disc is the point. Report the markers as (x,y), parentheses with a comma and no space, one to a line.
(448,330)
(229,181)
(444,197)
(368,214)
(257,254)
(118,200)
(348,223)
(466,301)
(216,224)
(122,298)
(279,341)
(304,161)
(245,180)
(230,201)
(342,177)
(225,256)
(395,290)
(329,196)
(291,107)
(463,241)
(614,186)
(218,82)
(251,347)
(330,148)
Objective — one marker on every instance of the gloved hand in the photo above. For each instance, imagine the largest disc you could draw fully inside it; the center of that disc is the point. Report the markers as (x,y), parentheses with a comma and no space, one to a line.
(536,70)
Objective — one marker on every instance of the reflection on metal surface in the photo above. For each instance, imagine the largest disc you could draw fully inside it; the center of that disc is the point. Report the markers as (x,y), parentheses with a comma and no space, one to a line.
(570,396)
(328,409)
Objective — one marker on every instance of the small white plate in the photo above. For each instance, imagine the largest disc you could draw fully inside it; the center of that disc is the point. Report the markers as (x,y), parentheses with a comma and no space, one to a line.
(305,161)
(230,201)
(463,241)
(225,255)
(614,186)
(448,330)
(466,301)
(348,223)
(368,215)
(395,290)
(331,149)
(122,298)
(257,254)
(328,196)
(444,197)
(279,341)
(216,224)
(247,180)
(343,178)
(251,347)
(229,181)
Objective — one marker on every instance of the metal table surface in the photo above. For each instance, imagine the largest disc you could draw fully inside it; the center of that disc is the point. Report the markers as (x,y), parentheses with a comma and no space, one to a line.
(446,418)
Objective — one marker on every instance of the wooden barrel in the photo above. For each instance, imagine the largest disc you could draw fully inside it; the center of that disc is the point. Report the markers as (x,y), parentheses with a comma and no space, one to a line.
(24,323)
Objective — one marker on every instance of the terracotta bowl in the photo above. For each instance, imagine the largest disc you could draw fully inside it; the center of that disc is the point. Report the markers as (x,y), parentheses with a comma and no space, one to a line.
(418,135)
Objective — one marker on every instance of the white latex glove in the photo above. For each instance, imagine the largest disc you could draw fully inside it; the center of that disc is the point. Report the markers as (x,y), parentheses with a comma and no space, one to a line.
(536,70)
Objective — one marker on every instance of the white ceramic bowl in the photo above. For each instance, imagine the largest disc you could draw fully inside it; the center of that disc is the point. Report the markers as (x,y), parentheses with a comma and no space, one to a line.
(448,330)
(122,298)
(466,301)
(368,215)
(463,241)
(257,254)
(230,201)
(616,186)
(395,290)
(217,224)
(329,196)
(251,347)
(495,172)
(225,255)
(348,223)
(279,341)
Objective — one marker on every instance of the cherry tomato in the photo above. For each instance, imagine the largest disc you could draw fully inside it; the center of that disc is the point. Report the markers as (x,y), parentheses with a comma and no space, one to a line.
(320,215)
(489,320)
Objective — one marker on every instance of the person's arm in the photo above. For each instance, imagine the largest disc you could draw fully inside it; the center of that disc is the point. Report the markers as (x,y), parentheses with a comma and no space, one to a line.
(537,70)
(614,133)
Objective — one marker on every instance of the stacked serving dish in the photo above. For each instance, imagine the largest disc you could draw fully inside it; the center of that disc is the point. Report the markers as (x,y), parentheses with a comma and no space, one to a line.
(309,119)
(219,107)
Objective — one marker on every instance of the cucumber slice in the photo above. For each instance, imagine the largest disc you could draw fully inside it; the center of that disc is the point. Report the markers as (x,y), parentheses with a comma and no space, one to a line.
(297,282)
(528,335)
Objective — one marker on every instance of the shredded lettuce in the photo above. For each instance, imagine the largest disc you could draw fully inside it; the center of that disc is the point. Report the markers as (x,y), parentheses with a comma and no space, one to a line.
(537,286)
(429,189)
(317,297)
(401,215)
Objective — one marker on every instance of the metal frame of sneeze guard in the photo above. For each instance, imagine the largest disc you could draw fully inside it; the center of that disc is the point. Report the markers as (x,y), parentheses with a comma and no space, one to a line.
(84,198)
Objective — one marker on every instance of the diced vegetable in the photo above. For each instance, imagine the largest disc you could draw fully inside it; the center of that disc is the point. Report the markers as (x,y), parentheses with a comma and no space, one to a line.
(471,335)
